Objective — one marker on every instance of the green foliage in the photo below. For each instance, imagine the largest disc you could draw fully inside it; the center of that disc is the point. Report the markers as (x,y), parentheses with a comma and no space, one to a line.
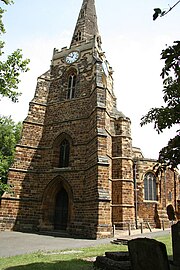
(9,137)
(168,115)
(2,29)
(159,13)
(10,69)
(170,154)
(7,2)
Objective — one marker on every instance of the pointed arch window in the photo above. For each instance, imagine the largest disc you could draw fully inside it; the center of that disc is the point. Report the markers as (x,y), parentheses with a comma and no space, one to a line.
(72,79)
(150,187)
(64,154)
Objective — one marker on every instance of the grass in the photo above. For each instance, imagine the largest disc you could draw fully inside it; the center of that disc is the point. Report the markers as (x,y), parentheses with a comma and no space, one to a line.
(77,259)
(168,242)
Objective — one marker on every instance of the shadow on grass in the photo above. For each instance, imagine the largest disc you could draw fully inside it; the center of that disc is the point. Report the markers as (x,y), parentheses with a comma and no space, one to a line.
(56,265)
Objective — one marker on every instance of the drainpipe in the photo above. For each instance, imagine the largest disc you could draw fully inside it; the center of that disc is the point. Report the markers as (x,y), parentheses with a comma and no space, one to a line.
(135,193)
(175,195)
(165,186)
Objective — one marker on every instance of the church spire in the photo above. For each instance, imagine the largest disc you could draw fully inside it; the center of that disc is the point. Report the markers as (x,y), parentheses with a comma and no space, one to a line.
(86,26)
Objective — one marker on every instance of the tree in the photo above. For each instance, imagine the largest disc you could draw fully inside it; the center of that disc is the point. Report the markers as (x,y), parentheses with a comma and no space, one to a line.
(10,133)
(168,115)
(10,69)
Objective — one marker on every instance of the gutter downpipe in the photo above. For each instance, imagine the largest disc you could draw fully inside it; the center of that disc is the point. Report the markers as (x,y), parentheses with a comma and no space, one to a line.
(135,193)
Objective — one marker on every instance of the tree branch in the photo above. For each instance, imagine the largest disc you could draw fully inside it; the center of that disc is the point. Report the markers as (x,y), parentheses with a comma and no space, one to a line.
(158,12)
(171,8)
(7,2)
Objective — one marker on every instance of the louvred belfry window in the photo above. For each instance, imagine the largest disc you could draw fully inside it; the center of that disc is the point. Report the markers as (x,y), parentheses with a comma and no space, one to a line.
(72,85)
(64,154)
(78,36)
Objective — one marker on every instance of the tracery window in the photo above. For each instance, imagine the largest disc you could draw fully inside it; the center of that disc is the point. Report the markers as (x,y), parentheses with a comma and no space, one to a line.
(72,85)
(150,187)
(64,154)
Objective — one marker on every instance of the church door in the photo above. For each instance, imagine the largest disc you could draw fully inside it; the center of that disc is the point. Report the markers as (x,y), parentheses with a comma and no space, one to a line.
(61,210)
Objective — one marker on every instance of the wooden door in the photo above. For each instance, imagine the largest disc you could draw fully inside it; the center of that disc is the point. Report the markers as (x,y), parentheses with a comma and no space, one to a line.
(61,210)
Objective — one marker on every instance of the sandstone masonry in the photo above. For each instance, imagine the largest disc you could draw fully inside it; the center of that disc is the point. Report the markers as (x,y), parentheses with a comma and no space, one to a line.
(75,168)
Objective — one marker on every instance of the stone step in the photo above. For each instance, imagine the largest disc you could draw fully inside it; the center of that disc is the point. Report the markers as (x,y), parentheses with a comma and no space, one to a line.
(104,263)
(147,224)
(55,233)
(120,241)
(162,212)
(118,256)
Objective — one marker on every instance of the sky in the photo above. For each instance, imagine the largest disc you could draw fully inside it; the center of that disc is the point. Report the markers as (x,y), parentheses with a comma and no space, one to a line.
(131,40)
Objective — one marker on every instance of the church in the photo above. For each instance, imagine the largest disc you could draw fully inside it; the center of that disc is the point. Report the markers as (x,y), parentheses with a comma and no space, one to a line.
(75,169)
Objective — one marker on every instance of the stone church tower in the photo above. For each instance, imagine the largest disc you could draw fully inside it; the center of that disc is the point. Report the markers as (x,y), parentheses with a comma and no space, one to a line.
(73,166)
(75,169)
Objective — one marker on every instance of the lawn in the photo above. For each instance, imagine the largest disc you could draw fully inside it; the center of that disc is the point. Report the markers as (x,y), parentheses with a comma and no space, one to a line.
(77,259)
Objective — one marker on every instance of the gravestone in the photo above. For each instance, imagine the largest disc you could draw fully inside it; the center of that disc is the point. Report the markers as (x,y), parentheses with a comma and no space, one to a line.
(148,254)
(175,229)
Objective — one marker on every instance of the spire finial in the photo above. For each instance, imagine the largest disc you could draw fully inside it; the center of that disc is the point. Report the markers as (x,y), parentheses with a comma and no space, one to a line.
(86,26)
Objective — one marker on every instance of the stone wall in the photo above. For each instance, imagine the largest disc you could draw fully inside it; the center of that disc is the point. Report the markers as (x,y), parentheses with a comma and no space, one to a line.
(122,176)
(166,189)
(36,176)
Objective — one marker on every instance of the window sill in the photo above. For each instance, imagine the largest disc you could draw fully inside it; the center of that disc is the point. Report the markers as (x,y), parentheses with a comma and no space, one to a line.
(64,169)
(150,201)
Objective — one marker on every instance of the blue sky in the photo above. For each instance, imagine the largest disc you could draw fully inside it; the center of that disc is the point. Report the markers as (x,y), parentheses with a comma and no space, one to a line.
(132,42)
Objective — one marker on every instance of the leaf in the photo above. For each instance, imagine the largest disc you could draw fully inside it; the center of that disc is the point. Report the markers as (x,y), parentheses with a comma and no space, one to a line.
(163,13)
(157,12)
(170,153)
(7,2)
(155,16)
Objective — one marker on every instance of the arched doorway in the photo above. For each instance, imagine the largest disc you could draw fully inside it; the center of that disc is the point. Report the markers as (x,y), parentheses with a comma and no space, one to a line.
(61,210)
(57,205)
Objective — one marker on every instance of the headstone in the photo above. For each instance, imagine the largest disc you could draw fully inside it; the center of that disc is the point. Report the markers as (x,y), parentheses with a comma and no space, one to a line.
(148,254)
(176,243)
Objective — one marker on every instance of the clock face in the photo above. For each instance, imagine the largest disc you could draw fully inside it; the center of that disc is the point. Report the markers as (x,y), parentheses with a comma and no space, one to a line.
(72,57)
